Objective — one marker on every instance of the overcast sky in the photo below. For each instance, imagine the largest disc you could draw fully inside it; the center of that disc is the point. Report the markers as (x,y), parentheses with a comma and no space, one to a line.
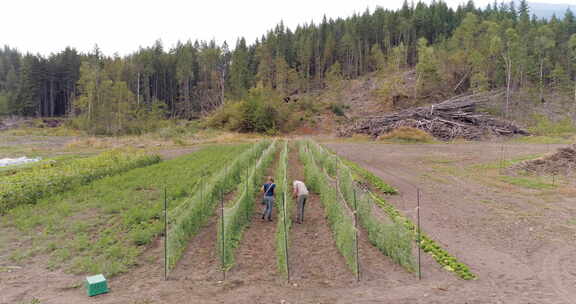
(121,26)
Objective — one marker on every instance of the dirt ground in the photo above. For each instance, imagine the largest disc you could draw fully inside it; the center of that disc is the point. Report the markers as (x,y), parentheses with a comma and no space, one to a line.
(520,243)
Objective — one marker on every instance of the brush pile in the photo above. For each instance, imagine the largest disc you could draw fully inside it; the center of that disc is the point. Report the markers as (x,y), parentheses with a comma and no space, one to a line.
(563,162)
(454,118)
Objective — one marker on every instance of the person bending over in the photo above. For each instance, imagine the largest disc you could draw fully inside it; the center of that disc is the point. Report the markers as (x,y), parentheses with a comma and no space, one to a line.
(300,193)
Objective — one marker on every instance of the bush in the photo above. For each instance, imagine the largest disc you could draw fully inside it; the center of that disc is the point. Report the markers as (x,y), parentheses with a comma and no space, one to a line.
(337,109)
(262,112)
(407,135)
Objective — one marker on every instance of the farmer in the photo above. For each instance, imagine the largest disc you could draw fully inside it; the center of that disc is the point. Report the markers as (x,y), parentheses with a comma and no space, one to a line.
(300,193)
(268,189)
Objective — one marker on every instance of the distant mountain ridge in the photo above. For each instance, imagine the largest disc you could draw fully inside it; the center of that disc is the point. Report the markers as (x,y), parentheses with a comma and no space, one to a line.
(547,10)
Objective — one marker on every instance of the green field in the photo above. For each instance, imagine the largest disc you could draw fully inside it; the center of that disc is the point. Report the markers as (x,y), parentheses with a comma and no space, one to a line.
(102,227)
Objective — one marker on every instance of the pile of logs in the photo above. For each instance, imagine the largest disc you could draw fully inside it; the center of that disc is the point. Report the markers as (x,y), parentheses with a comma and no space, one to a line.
(454,118)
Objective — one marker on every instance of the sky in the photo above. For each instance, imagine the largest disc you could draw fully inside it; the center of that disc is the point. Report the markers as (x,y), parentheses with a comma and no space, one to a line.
(122,26)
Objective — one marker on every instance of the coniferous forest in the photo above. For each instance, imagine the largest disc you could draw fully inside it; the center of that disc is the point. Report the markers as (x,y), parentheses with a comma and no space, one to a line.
(467,49)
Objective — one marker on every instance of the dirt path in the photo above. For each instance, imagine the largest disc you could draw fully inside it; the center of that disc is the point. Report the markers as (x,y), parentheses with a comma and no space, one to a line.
(311,243)
(256,255)
(505,235)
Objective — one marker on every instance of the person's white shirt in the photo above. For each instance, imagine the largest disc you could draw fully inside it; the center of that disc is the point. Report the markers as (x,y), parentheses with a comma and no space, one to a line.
(300,188)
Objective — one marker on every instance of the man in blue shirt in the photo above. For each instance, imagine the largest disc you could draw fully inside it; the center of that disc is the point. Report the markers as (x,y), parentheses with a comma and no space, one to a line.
(268,189)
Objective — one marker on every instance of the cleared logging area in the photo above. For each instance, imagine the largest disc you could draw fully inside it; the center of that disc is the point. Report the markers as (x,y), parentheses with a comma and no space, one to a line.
(103,227)
(27,186)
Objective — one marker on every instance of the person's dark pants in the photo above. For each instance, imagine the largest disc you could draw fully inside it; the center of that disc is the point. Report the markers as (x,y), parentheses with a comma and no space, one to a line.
(301,203)
(269,202)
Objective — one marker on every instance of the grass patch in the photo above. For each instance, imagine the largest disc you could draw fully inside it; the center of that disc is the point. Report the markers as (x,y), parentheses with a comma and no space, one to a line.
(542,139)
(407,135)
(507,162)
(525,182)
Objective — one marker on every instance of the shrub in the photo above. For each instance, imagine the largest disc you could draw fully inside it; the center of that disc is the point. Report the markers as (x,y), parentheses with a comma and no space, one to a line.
(262,112)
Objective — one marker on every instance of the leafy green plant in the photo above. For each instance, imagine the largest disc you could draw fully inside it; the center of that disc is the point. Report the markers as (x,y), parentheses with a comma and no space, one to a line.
(27,186)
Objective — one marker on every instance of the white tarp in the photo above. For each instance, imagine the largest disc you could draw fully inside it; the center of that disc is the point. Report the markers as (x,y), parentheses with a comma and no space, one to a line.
(17,161)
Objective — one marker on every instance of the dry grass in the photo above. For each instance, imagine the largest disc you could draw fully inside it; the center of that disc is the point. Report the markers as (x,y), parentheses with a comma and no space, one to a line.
(407,135)
(154,142)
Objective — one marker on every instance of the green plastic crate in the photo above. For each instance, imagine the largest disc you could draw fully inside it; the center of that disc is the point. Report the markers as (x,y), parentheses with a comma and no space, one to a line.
(96,285)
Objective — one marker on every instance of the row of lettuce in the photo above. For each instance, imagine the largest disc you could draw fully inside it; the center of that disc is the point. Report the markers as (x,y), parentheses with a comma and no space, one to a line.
(27,186)
(393,242)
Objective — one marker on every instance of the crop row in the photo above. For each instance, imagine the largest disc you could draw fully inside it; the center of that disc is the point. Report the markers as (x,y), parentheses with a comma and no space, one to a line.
(27,186)
(237,217)
(285,207)
(187,219)
(339,217)
(392,239)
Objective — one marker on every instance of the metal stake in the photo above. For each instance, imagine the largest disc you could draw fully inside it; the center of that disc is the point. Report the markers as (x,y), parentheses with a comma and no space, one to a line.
(165,235)
(223,241)
(418,233)
(286,238)
(356,237)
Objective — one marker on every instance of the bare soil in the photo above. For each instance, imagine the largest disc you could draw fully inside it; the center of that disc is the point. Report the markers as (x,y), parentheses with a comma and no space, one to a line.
(520,243)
